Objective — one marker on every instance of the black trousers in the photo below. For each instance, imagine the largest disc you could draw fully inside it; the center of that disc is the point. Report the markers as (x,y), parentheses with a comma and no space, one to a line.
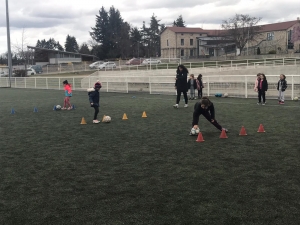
(215,123)
(96,112)
(179,95)
(261,95)
(200,93)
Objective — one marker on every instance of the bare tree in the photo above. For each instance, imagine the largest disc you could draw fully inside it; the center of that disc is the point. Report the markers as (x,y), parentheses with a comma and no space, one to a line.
(20,49)
(241,29)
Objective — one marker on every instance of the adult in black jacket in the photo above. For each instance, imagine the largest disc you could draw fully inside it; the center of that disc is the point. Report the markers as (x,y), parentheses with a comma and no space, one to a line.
(262,88)
(206,108)
(94,98)
(181,84)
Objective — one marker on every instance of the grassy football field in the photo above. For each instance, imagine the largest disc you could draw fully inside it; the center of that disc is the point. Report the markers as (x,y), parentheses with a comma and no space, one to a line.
(53,170)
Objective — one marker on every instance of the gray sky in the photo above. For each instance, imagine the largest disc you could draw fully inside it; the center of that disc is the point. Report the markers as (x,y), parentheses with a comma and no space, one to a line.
(58,18)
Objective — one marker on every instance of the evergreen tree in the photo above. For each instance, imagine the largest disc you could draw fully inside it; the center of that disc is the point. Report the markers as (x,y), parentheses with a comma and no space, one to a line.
(71,44)
(136,39)
(179,22)
(84,49)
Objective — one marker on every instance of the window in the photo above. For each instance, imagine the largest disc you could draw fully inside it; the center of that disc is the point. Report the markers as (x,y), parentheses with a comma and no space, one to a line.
(191,42)
(182,41)
(270,36)
(167,42)
(182,52)
(191,52)
(290,33)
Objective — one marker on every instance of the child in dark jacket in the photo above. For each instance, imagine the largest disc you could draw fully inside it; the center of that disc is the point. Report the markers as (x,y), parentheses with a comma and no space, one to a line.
(262,88)
(200,85)
(281,87)
(94,98)
(192,86)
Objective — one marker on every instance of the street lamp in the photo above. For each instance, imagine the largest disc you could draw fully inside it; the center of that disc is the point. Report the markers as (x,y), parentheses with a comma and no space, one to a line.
(8,45)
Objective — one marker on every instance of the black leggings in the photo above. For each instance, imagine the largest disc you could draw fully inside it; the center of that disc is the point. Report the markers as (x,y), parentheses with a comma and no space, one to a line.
(215,123)
(261,95)
(179,95)
(96,112)
(200,93)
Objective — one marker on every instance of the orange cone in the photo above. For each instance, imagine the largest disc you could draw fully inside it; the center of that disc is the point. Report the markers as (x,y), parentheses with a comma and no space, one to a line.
(223,134)
(261,129)
(83,121)
(125,117)
(200,137)
(144,115)
(243,131)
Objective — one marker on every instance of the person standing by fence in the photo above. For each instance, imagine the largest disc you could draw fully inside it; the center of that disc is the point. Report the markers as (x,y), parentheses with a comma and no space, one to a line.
(281,87)
(181,85)
(192,86)
(199,86)
(262,89)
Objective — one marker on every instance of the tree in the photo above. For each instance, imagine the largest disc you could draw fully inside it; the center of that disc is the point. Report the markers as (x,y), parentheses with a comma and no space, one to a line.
(179,22)
(241,29)
(21,51)
(71,44)
(84,49)
(136,39)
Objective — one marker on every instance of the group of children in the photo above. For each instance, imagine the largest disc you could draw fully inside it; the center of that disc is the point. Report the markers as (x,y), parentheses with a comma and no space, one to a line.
(204,106)
(261,87)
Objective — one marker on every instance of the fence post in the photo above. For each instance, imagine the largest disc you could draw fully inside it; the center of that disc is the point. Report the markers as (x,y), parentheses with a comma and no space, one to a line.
(89,82)
(208,88)
(265,62)
(283,61)
(47,82)
(150,89)
(74,83)
(247,63)
(167,66)
(246,87)
(127,85)
(203,64)
(107,86)
(216,64)
(25,82)
(292,87)
(15,82)
(47,69)
(295,62)
(35,82)
(230,63)
(59,83)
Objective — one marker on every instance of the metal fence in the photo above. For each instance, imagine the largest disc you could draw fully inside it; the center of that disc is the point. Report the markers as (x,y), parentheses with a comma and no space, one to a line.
(241,86)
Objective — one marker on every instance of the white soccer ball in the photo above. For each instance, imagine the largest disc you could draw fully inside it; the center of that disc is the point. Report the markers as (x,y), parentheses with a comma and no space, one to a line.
(296,99)
(106,119)
(197,131)
(226,95)
(193,131)
(58,107)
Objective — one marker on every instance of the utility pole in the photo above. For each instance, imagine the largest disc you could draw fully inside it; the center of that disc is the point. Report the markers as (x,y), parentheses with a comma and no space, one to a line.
(8,45)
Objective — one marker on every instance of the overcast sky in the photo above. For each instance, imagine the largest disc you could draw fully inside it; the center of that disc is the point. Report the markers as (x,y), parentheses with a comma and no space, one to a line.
(58,18)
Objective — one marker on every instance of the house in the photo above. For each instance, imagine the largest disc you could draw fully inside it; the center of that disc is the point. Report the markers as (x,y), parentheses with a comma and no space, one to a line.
(45,56)
(184,42)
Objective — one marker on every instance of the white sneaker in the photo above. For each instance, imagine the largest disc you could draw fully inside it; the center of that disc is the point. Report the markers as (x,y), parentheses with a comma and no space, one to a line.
(176,106)
(96,121)
(186,105)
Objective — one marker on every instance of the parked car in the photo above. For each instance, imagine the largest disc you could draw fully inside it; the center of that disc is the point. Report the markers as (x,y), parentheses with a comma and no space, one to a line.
(107,65)
(31,72)
(151,61)
(3,74)
(37,68)
(134,61)
(95,64)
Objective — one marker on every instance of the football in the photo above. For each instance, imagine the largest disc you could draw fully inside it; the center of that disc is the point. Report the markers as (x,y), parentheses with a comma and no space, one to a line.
(195,131)
(226,95)
(296,99)
(106,119)
(58,107)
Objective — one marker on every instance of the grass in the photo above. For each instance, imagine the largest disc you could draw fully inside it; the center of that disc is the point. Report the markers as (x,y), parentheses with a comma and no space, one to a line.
(146,171)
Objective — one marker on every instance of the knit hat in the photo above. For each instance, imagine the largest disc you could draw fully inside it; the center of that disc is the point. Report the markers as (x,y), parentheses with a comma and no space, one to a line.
(97,84)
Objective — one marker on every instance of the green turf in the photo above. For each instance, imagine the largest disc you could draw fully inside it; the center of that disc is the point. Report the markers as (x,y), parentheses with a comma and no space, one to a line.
(146,170)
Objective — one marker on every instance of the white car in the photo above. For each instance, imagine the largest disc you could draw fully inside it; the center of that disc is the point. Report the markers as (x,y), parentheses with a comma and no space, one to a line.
(107,65)
(95,64)
(3,74)
(31,72)
(151,61)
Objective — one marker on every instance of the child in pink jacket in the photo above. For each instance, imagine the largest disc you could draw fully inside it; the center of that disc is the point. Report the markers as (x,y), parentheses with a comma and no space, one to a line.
(256,82)
(68,95)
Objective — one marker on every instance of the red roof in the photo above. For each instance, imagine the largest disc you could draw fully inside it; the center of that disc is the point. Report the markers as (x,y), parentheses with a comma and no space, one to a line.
(264,28)
(278,26)
(185,30)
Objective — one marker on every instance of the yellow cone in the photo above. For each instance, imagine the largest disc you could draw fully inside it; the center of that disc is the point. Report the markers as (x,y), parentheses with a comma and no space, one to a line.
(144,115)
(103,118)
(125,117)
(83,121)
